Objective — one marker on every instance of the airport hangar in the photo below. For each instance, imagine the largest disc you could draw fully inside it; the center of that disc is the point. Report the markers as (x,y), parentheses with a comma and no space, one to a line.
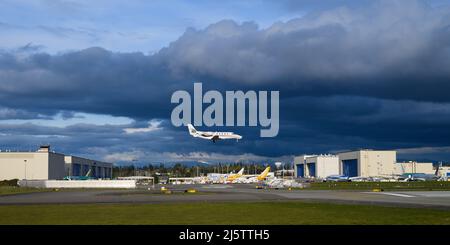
(360,163)
(44,164)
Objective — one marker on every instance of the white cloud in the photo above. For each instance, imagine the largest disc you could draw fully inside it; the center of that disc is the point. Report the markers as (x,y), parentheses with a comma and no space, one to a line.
(123,156)
(152,126)
(76,118)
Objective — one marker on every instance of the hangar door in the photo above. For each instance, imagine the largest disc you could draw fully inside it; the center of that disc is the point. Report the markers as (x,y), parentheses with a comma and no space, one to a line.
(76,169)
(311,168)
(300,170)
(350,167)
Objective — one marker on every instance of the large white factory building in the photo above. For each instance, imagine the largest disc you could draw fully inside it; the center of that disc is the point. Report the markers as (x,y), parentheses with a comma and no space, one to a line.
(47,165)
(360,163)
(367,163)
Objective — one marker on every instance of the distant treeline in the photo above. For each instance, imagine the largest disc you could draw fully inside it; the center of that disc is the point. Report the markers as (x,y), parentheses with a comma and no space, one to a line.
(181,170)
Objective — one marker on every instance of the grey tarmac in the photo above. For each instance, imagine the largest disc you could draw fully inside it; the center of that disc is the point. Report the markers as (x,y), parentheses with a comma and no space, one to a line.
(231,193)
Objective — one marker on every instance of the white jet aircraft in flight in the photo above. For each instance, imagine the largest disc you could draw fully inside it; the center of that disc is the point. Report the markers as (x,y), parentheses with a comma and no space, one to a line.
(213,135)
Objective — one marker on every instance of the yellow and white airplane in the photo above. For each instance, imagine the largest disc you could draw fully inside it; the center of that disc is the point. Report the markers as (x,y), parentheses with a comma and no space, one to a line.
(252,178)
(232,177)
(263,175)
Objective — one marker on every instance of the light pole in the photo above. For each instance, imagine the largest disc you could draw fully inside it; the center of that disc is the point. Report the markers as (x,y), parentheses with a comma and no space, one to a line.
(25,162)
(134,166)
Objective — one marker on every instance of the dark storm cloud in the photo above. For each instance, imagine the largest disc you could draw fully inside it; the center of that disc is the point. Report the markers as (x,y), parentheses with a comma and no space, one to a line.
(399,51)
(388,50)
(375,77)
(378,123)
(93,80)
(314,125)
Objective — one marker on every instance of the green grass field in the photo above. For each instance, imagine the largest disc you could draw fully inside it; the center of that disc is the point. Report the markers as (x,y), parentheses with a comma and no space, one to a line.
(389,186)
(9,187)
(11,190)
(220,213)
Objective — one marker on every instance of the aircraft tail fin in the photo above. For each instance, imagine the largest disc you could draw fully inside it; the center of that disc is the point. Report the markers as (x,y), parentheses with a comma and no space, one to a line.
(264,174)
(88,173)
(191,128)
(437,169)
(241,172)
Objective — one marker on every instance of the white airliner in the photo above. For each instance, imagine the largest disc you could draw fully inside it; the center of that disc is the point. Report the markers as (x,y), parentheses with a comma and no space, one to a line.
(213,135)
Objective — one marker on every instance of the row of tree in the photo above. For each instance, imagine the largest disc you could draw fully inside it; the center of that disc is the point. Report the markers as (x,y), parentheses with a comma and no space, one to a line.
(181,170)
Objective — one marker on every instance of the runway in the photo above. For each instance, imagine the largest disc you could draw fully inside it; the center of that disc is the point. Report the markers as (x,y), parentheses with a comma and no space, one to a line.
(231,193)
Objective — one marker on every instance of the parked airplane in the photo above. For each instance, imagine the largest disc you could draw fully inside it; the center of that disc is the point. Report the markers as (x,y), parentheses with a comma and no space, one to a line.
(232,177)
(224,178)
(86,177)
(263,175)
(212,135)
(417,177)
(253,178)
(336,178)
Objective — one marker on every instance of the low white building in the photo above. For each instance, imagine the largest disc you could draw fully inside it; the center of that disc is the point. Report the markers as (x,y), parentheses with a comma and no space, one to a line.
(317,166)
(444,171)
(120,184)
(415,167)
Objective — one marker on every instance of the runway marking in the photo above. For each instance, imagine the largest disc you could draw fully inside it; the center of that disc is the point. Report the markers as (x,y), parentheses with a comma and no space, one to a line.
(391,194)
(217,186)
(440,194)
